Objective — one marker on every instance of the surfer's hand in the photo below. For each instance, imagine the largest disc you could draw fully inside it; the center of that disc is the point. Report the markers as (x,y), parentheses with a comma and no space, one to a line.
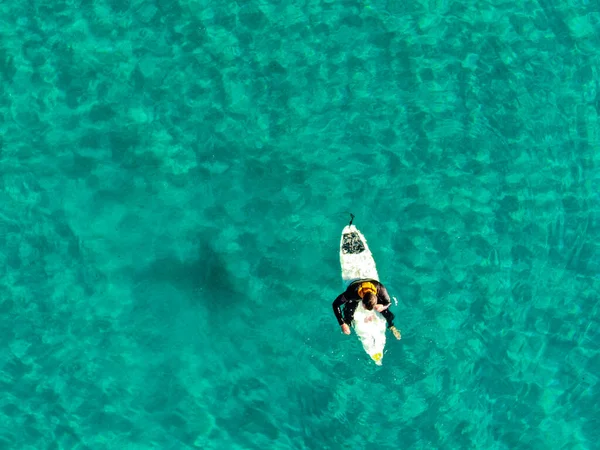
(345,328)
(396,332)
(380,308)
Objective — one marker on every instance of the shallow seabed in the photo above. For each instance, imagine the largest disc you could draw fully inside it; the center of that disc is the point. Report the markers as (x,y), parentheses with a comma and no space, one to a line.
(175,176)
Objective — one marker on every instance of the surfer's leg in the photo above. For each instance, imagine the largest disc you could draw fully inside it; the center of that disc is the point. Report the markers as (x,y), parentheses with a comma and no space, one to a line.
(389,317)
(349,312)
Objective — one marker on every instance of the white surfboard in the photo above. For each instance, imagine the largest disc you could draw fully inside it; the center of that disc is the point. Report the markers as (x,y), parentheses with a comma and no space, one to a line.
(357,264)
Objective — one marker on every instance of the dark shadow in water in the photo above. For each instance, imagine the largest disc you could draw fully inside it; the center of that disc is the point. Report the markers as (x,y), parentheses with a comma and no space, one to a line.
(198,277)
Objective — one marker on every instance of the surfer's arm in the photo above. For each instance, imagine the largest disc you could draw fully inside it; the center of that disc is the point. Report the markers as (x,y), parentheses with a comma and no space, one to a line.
(337,308)
(383,298)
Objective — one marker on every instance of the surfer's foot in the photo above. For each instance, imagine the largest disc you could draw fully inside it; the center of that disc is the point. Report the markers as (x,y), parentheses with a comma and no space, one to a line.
(345,328)
(396,332)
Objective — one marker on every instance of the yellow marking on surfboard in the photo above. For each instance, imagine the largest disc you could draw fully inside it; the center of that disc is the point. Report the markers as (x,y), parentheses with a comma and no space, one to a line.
(377,357)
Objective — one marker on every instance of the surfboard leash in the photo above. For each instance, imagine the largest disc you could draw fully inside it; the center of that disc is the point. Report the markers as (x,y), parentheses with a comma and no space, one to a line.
(351,219)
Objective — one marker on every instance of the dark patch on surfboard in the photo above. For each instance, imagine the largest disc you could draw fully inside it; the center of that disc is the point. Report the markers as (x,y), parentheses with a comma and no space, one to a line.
(352,244)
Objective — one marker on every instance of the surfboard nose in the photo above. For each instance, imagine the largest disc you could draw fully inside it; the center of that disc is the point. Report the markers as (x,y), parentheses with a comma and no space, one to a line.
(377,357)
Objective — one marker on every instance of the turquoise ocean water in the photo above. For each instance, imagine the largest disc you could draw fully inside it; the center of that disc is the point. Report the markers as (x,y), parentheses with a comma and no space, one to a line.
(175,175)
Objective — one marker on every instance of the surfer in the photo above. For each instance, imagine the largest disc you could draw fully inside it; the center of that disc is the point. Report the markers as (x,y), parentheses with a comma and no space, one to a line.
(373,294)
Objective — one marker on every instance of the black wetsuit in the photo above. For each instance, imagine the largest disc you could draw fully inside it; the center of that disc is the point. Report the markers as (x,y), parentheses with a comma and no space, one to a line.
(351,298)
